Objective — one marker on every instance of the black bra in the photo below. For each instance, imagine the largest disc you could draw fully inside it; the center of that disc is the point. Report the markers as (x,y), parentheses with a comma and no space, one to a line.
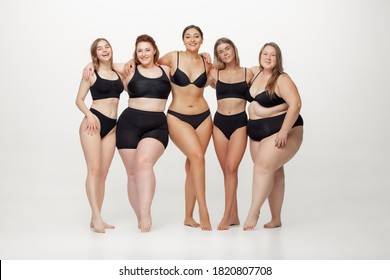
(231,90)
(181,79)
(264,99)
(141,86)
(103,88)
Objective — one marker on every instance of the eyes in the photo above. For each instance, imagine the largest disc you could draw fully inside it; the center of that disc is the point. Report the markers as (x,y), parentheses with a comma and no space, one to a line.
(267,54)
(144,50)
(227,49)
(105,47)
(188,36)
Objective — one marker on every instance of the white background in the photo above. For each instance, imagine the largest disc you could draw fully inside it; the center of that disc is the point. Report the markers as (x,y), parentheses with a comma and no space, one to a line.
(337,187)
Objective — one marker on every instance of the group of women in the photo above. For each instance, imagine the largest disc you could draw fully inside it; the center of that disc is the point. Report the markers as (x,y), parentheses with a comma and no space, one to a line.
(275,127)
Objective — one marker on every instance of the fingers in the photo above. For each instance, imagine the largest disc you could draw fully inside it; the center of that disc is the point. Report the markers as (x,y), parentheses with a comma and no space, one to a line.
(280,142)
(91,130)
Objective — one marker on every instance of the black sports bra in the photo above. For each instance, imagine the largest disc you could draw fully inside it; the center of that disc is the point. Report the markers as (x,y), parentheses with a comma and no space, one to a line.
(103,88)
(141,86)
(181,79)
(231,90)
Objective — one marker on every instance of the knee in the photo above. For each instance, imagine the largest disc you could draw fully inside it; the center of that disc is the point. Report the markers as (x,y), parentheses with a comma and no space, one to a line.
(264,168)
(197,159)
(231,170)
(142,164)
(279,174)
(95,171)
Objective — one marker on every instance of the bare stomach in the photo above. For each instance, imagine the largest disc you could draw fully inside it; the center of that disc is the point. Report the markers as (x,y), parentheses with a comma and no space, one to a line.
(256,111)
(108,107)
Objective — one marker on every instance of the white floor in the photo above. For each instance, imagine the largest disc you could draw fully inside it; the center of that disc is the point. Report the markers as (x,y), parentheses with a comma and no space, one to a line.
(325,218)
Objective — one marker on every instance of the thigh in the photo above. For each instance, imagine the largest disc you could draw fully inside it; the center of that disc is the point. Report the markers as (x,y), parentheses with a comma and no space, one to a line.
(184,136)
(108,149)
(128,159)
(220,145)
(149,150)
(269,156)
(91,145)
(237,146)
(204,132)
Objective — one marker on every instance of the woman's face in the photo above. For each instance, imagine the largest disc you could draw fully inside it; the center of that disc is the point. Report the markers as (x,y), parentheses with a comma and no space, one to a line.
(103,51)
(268,58)
(192,39)
(145,53)
(226,53)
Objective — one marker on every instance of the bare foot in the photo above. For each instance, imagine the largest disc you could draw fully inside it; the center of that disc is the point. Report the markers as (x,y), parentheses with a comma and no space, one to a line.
(234,221)
(145,223)
(250,223)
(191,222)
(224,224)
(273,224)
(97,225)
(205,222)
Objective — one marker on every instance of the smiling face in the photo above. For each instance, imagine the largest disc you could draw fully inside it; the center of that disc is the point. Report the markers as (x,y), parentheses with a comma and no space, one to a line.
(268,58)
(145,53)
(226,53)
(192,39)
(103,51)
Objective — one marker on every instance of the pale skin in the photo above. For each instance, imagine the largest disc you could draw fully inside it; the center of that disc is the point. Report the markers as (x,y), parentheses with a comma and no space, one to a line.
(98,152)
(271,153)
(139,162)
(193,143)
(230,151)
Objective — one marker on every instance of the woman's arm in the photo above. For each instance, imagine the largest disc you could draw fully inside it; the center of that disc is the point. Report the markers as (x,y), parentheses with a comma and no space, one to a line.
(289,92)
(167,59)
(212,78)
(92,124)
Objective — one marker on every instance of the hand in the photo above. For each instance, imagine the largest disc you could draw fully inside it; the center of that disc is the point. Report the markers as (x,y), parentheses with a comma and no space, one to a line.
(129,67)
(281,139)
(92,124)
(88,71)
(206,56)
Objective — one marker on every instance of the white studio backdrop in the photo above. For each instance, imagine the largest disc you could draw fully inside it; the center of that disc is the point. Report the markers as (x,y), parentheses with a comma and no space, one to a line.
(337,52)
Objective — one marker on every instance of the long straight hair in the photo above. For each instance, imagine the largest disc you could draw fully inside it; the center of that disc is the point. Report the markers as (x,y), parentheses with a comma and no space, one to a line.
(276,72)
(218,64)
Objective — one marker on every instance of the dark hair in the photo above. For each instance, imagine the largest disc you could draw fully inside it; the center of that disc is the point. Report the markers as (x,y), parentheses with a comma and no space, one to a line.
(190,27)
(149,39)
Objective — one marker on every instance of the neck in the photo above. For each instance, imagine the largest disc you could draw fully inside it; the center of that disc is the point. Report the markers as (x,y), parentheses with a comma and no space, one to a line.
(193,54)
(104,66)
(148,65)
(267,72)
(231,66)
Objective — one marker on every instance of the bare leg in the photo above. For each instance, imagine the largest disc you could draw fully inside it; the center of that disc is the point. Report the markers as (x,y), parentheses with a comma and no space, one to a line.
(149,150)
(190,199)
(267,160)
(107,154)
(230,153)
(128,159)
(275,200)
(91,145)
(194,144)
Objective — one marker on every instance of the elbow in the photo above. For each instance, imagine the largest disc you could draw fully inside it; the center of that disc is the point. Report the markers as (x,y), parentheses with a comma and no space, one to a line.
(296,106)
